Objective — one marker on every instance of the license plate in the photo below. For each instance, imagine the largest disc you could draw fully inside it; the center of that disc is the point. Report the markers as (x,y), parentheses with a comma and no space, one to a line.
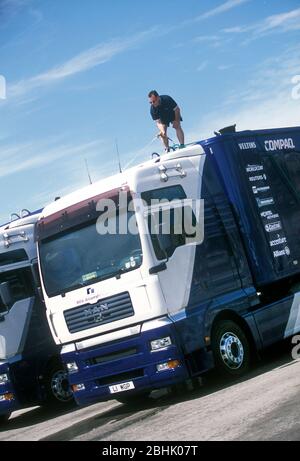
(121,387)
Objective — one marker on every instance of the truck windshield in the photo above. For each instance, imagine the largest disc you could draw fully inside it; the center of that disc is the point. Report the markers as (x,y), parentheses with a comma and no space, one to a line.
(81,256)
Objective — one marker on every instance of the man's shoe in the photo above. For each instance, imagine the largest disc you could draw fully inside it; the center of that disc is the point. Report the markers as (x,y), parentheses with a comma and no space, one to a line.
(181,146)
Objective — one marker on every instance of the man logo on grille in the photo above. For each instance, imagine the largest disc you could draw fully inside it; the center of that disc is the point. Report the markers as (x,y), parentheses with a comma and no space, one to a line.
(95,314)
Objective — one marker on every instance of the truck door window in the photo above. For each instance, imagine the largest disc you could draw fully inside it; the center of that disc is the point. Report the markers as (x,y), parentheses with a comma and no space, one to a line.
(169,226)
(12,257)
(20,283)
(169,229)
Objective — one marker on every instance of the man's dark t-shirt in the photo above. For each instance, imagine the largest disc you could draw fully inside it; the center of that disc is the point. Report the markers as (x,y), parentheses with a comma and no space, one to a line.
(165,110)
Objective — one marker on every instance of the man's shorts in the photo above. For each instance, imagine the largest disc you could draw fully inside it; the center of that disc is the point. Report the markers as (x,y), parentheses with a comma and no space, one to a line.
(167,122)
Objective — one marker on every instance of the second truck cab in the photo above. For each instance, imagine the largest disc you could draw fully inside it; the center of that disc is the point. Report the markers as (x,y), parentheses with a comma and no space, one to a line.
(31,371)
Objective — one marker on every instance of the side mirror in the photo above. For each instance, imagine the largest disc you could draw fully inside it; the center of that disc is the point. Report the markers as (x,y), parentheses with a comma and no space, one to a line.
(159,268)
(6,294)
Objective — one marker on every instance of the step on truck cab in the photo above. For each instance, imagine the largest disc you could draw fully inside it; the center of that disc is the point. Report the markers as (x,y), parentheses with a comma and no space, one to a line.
(188,261)
(31,371)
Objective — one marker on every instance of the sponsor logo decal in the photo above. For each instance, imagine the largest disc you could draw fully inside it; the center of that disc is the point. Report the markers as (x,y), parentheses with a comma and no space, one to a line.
(247,145)
(279,144)
(274,226)
(278,241)
(265,201)
(253,168)
(260,189)
(261,177)
(285,252)
(269,215)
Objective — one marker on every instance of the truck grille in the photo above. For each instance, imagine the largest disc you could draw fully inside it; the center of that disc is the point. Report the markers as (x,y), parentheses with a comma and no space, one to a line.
(113,356)
(106,310)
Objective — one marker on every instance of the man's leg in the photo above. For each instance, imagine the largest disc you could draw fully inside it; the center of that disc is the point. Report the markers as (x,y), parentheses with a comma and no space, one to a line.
(179,131)
(163,134)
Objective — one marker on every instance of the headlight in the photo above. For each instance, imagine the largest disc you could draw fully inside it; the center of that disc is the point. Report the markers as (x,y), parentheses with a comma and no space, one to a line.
(78,387)
(171,365)
(4,379)
(7,397)
(72,367)
(161,343)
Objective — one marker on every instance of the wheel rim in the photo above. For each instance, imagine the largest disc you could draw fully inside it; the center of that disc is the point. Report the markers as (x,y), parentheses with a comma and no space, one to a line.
(231,351)
(60,386)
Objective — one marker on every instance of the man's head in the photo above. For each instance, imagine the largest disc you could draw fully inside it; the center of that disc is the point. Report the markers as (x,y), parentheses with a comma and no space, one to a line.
(154,98)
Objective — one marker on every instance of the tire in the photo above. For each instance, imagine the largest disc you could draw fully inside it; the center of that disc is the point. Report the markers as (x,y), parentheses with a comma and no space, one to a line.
(4,419)
(58,391)
(231,349)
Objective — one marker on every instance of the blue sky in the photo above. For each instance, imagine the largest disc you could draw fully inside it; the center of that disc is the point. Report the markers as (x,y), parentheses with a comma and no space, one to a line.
(78,74)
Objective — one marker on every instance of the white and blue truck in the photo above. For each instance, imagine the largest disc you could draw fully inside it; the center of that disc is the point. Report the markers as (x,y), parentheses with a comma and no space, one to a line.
(140,310)
(31,370)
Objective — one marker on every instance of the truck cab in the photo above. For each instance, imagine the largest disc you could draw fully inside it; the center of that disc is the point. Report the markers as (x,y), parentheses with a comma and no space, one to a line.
(31,371)
(129,307)
(153,276)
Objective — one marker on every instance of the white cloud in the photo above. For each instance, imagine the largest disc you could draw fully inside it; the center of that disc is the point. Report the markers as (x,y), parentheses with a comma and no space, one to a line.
(104,52)
(210,40)
(86,60)
(223,8)
(202,66)
(225,66)
(282,22)
(262,102)
(17,158)
(13,6)
(206,38)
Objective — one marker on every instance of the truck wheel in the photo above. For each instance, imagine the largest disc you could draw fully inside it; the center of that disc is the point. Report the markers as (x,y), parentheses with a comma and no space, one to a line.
(57,386)
(231,349)
(4,418)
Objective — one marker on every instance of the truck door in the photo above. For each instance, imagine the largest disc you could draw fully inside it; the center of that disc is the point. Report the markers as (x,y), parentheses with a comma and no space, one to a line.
(181,210)
(14,320)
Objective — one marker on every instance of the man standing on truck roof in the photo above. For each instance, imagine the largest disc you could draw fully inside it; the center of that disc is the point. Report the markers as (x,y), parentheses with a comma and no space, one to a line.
(164,110)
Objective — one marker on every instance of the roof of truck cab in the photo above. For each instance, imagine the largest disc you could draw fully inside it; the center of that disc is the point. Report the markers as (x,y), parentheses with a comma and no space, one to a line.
(18,236)
(118,180)
(32,218)
(246,133)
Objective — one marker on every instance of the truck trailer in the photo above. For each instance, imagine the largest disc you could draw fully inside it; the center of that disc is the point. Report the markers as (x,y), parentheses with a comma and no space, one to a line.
(31,370)
(184,263)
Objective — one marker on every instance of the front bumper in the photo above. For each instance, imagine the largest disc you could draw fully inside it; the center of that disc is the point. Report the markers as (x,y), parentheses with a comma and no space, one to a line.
(126,360)
(7,390)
